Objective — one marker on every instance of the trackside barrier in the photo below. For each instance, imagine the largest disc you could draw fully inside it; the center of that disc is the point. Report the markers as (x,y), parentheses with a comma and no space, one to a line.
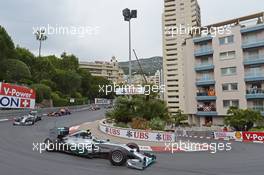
(236,136)
(256,137)
(18,112)
(135,134)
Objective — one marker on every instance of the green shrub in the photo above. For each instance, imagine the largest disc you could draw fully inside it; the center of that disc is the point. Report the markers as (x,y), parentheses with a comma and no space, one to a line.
(49,83)
(258,128)
(121,125)
(76,95)
(43,92)
(58,101)
(14,70)
(138,106)
(157,124)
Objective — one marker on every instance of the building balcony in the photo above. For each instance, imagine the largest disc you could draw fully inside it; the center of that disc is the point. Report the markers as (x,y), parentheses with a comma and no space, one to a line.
(202,39)
(253,43)
(255,93)
(205,81)
(257,108)
(204,51)
(258,59)
(206,96)
(204,66)
(252,29)
(206,110)
(254,76)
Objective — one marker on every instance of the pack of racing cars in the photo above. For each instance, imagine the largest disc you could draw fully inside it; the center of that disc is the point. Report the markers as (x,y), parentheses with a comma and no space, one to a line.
(29,119)
(83,143)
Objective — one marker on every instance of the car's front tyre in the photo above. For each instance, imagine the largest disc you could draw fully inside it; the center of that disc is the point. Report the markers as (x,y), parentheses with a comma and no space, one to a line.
(118,157)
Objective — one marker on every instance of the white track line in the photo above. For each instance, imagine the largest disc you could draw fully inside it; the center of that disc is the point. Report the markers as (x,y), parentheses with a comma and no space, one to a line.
(3,120)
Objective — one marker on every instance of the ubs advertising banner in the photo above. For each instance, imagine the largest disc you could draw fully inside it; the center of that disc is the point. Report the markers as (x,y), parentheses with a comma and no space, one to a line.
(13,96)
(134,134)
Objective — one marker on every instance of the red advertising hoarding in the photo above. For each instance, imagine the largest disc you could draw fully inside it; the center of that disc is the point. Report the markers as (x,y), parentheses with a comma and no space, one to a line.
(13,96)
(253,136)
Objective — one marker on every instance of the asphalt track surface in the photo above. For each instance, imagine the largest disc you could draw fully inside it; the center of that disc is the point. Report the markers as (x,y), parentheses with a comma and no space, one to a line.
(18,158)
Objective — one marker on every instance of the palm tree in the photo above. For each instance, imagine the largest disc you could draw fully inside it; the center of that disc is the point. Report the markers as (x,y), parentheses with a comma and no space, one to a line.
(40,36)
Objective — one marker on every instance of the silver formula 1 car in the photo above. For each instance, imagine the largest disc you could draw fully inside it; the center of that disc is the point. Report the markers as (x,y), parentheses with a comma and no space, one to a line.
(82,143)
(29,119)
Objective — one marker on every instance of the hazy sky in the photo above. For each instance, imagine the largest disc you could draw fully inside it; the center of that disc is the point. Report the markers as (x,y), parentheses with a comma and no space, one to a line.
(105,17)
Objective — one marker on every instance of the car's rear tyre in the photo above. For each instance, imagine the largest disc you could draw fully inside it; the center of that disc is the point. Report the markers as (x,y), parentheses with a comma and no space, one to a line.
(118,157)
(133,146)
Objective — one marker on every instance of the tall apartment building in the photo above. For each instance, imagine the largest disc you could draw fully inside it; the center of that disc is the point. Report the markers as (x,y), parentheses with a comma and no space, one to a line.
(109,70)
(177,13)
(225,70)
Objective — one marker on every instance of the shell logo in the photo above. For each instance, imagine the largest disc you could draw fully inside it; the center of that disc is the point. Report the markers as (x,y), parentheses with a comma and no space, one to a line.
(238,135)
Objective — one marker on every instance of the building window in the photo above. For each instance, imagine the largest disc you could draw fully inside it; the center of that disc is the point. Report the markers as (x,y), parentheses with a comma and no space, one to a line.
(229,103)
(253,53)
(228,55)
(250,37)
(228,71)
(230,87)
(226,40)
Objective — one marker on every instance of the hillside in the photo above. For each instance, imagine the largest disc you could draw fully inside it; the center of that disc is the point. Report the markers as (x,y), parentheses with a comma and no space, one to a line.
(149,65)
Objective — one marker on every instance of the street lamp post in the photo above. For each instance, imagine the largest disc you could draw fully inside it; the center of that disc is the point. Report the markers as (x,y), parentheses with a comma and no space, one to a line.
(40,36)
(128,15)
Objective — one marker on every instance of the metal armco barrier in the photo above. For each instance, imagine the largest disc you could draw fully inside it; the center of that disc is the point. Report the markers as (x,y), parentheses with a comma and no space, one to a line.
(241,136)
(15,113)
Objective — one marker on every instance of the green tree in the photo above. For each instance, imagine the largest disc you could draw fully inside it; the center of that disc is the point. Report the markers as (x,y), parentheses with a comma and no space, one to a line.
(242,119)
(14,70)
(43,69)
(178,118)
(96,92)
(86,82)
(138,107)
(124,110)
(152,108)
(7,47)
(43,92)
(49,83)
(26,56)
(7,50)
(68,82)
(157,124)
(69,62)
(55,61)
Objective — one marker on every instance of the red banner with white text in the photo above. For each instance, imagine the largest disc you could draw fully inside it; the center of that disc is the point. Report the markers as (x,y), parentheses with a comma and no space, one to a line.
(253,136)
(13,96)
